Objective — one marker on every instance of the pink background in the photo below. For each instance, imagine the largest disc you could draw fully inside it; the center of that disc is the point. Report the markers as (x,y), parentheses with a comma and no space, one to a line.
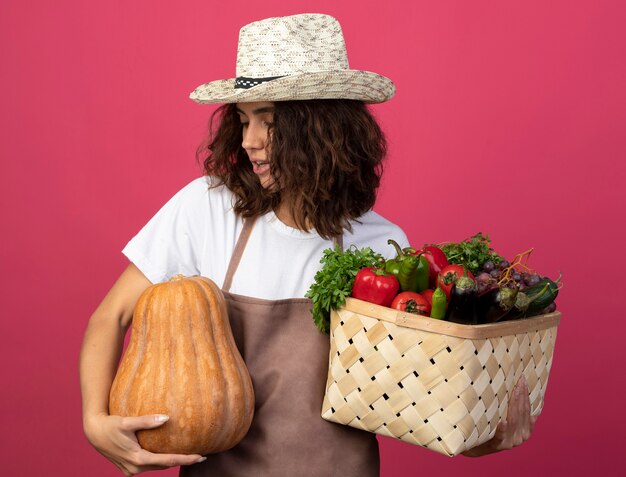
(509,119)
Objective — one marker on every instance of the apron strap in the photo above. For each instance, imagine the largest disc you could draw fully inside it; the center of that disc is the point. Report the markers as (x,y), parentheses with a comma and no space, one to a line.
(339,241)
(241,245)
(238,252)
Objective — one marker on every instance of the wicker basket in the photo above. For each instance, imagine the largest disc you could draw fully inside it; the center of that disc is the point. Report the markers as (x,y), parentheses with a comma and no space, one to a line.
(432,383)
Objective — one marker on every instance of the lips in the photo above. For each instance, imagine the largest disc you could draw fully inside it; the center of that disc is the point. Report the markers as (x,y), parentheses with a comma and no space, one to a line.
(260,167)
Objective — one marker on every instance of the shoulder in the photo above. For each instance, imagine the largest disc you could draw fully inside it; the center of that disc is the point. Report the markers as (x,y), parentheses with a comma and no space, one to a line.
(199,201)
(373,230)
(203,192)
(203,187)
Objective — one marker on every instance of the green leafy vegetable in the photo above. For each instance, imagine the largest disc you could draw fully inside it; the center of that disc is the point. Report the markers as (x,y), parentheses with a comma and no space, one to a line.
(333,282)
(472,252)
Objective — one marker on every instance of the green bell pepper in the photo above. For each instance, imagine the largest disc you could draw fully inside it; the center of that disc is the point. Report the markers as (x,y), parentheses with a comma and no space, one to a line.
(409,268)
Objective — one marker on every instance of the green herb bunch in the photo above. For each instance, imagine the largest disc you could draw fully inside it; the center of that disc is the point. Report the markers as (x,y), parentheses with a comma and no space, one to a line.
(472,252)
(333,282)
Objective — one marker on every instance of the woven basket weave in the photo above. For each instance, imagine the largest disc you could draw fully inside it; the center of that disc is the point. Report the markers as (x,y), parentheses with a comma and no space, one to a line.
(432,383)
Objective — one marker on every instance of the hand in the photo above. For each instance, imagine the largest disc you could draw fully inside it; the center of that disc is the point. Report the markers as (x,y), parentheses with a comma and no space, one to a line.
(515,429)
(114,437)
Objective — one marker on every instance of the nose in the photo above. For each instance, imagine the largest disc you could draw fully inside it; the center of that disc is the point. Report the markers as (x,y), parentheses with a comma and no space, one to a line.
(253,136)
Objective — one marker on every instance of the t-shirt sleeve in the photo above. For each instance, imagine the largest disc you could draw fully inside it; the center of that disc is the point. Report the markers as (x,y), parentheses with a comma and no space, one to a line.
(373,230)
(169,243)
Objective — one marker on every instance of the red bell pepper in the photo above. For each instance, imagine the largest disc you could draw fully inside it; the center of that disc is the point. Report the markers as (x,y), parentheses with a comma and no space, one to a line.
(436,262)
(375,286)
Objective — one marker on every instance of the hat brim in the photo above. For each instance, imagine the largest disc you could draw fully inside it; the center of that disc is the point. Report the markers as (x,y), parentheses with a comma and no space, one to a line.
(338,84)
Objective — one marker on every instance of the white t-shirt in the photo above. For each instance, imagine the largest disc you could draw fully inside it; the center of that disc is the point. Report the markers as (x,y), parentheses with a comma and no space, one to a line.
(196,231)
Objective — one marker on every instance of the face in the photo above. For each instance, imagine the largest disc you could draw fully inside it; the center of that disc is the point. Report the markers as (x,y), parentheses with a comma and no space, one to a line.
(256,119)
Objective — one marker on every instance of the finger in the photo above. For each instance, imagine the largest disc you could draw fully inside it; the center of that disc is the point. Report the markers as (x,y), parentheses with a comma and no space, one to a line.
(172,460)
(520,413)
(527,426)
(150,421)
(513,411)
(526,403)
(533,421)
(132,469)
(143,460)
(502,431)
(503,426)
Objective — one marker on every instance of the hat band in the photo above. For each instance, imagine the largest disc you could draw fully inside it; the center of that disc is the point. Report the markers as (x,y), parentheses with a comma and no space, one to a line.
(245,83)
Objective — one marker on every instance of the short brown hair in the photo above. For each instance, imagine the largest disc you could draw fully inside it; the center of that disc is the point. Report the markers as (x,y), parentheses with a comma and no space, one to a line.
(325,158)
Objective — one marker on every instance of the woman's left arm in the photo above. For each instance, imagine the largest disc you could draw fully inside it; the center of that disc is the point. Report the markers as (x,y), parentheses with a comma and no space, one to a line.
(515,429)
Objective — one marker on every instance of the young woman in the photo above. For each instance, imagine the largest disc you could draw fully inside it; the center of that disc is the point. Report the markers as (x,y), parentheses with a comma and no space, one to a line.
(292,167)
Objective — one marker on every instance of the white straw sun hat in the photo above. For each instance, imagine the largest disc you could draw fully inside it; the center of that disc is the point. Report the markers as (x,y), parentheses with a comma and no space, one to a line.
(294,58)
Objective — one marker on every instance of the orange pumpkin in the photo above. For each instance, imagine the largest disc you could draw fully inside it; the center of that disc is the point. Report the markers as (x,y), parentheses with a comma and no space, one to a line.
(182,361)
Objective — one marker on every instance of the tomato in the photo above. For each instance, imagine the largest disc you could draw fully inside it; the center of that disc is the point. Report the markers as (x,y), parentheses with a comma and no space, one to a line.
(436,262)
(411,302)
(428,294)
(448,271)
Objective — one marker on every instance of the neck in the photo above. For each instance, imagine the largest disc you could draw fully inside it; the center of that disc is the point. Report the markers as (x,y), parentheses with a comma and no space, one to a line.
(284,214)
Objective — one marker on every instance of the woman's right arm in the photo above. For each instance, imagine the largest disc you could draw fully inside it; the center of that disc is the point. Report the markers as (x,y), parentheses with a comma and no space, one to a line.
(114,436)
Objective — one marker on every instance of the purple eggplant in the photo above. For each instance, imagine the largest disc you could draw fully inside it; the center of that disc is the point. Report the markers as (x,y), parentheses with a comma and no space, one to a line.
(496,304)
(462,306)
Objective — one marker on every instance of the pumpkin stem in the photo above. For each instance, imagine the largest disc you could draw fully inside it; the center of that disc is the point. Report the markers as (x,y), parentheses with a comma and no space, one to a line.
(175,278)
